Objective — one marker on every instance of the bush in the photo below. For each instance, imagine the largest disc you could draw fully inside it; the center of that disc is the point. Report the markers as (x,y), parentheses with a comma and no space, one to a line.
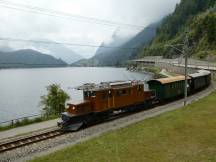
(54,101)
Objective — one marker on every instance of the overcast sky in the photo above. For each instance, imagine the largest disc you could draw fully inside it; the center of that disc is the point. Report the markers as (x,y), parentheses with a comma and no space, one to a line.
(25,25)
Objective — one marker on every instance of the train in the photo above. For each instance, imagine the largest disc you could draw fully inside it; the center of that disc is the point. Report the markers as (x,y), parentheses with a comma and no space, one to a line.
(107,99)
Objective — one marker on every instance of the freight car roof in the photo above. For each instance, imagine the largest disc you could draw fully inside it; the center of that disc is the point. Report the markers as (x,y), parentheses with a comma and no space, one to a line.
(200,73)
(169,80)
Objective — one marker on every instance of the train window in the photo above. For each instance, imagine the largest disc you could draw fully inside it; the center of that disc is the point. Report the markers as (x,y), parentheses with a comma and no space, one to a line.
(121,92)
(86,94)
(118,93)
(139,88)
(93,94)
(124,92)
(171,86)
(104,96)
(110,94)
(129,91)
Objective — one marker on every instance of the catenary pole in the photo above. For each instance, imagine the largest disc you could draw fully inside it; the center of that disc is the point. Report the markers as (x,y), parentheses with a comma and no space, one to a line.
(185,53)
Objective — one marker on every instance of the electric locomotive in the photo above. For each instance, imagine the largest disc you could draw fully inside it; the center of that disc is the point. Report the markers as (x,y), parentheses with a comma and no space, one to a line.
(103,100)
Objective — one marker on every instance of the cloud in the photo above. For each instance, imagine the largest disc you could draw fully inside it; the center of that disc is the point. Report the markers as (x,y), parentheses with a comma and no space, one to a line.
(25,25)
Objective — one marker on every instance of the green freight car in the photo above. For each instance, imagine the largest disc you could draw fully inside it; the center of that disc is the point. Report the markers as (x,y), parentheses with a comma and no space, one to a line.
(200,80)
(168,88)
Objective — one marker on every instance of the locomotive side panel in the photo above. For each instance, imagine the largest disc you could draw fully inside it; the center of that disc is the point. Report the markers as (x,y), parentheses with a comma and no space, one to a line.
(122,97)
(140,94)
(81,108)
(130,96)
(101,101)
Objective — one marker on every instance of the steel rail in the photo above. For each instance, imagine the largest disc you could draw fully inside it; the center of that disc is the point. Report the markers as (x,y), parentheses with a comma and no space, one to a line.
(23,141)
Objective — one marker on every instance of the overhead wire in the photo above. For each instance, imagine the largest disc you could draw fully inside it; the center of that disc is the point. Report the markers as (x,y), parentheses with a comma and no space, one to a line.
(59,14)
(63,43)
(49,12)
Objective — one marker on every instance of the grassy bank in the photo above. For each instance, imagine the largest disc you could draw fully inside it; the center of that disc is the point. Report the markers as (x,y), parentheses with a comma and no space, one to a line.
(184,135)
(155,70)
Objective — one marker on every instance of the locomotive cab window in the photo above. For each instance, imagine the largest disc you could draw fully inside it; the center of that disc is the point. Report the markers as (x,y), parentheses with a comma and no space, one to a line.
(86,94)
(139,88)
(121,92)
(89,94)
(93,94)
(124,92)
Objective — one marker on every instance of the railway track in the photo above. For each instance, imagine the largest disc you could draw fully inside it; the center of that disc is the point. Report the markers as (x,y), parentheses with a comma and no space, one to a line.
(23,141)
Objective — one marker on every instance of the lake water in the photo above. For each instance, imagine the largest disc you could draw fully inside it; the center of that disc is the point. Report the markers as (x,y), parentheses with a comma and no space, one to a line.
(20,89)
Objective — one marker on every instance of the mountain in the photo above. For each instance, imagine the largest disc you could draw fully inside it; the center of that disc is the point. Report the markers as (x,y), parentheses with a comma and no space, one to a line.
(5,49)
(124,51)
(56,50)
(60,51)
(198,19)
(28,58)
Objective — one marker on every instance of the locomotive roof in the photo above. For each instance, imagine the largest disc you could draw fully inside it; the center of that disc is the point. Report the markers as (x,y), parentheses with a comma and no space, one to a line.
(169,80)
(108,85)
(76,103)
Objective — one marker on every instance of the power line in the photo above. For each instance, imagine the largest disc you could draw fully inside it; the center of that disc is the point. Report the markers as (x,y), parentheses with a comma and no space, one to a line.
(61,43)
(46,14)
(58,14)
(33,64)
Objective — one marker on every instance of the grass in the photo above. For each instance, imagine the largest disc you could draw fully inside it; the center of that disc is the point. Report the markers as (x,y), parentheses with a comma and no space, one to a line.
(27,121)
(156,71)
(214,77)
(184,135)
(171,73)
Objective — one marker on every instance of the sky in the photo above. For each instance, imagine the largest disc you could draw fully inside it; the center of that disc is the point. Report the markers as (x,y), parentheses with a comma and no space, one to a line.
(29,25)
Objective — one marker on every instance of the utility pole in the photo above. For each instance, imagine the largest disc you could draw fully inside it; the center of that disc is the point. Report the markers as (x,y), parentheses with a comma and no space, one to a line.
(185,54)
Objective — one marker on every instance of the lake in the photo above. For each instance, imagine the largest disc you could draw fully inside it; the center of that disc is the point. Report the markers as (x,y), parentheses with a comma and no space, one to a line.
(20,89)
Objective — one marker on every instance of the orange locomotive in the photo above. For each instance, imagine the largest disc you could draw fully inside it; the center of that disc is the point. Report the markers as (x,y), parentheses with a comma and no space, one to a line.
(104,100)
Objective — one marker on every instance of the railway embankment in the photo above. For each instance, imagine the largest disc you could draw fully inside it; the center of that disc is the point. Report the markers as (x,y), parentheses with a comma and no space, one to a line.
(115,128)
(173,66)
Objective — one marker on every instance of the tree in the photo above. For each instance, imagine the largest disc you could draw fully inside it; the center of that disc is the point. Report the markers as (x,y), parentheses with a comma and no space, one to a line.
(54,101)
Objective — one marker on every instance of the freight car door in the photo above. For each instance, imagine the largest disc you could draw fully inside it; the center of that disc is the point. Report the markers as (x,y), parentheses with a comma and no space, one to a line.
(110,99)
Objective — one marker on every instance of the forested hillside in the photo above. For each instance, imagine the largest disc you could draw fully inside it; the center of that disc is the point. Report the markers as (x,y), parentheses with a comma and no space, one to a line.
(198,18)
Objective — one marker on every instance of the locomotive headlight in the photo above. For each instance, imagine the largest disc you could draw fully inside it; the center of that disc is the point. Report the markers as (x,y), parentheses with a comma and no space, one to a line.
(73,108)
